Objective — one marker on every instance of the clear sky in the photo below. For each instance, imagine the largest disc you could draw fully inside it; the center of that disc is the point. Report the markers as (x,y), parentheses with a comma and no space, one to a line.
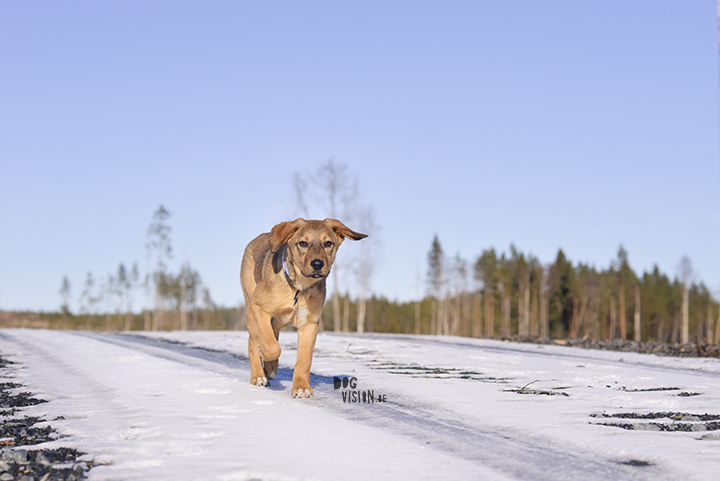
(547,124)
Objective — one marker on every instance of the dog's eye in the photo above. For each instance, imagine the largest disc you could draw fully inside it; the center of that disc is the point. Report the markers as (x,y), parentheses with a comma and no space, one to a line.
(303,244)
(328,244)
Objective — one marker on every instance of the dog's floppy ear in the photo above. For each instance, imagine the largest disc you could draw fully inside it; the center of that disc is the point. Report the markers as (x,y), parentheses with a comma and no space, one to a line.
(282,232)
(277,259)
(342,230)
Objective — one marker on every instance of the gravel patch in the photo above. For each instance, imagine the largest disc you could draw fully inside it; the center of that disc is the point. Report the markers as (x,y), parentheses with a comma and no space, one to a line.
(20,459)
(644,347)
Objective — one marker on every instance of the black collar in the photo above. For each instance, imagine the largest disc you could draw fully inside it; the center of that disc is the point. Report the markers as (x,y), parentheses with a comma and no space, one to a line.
(289,281)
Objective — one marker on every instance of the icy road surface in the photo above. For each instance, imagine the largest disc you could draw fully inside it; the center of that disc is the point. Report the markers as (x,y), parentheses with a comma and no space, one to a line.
(179,406)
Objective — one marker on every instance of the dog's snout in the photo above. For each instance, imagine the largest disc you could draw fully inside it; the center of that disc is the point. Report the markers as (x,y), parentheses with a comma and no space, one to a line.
(317,264)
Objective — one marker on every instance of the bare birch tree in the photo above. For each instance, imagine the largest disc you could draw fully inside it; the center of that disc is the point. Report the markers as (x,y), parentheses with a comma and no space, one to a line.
(459,271)
(158,240)
(505,288)
(523,297)
(332,179)
(613,318)
(183,299)
(108,294)
(686,271)
(88,298)
(133,283)
(637,320)
(535,269)
(300,189)
(709,324)
(209,308)
(335,191)
(543,293)
(418,282)
(593,292)
(147,285)
(366,262)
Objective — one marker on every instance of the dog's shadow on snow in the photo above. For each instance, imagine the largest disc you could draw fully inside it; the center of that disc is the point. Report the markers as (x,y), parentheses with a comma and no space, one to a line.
(284,377)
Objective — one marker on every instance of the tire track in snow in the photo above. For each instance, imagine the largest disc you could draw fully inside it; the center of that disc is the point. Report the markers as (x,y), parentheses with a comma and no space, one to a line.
(57,365)
(543,353)
(514,455)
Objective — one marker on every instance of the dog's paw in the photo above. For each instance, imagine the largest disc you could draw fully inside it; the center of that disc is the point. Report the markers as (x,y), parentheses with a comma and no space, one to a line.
(271,369)
(301,393)
(259,381)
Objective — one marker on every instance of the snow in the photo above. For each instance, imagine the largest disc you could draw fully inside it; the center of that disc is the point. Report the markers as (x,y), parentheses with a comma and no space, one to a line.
(179,406)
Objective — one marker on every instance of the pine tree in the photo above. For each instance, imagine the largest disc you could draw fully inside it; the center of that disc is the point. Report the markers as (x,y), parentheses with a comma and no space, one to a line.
(560,302)
(65,293)
(486,272)
(435,283)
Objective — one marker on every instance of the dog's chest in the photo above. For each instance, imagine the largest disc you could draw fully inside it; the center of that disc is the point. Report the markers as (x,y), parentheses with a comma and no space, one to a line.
(295,316)
(300,316)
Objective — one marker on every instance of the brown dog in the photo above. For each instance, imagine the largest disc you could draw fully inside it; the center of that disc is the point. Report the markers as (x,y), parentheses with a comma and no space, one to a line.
(283,279)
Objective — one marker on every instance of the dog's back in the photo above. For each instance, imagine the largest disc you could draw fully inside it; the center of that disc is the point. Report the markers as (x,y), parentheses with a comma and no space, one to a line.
(257,254)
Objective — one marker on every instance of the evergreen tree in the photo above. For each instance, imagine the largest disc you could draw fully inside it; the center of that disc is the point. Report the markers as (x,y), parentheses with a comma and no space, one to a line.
(626,282)
(435,284)
(65,293)
(561,283)
(435,271)
(486,272)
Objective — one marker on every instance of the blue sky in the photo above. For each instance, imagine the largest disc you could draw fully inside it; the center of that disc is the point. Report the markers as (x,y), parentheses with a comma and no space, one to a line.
(553,124)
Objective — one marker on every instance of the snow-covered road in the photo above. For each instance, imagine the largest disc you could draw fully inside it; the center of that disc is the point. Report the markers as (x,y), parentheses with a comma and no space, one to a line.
(178,406)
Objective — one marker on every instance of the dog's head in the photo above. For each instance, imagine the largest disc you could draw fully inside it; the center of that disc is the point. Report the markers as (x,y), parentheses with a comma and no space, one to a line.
(310,245)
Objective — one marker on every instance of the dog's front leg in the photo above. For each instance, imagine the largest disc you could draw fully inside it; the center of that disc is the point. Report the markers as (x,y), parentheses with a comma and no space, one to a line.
(257,375)
(307,333)
(271,367)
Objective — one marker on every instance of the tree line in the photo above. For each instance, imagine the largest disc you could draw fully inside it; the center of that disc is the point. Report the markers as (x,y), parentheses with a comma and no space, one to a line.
(514,294)
(173,300)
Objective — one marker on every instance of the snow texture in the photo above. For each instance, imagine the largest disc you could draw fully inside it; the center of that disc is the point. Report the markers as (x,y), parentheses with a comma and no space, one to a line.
(179,406)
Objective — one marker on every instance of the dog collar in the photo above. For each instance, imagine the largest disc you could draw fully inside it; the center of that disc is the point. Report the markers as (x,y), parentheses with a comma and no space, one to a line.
(287,278)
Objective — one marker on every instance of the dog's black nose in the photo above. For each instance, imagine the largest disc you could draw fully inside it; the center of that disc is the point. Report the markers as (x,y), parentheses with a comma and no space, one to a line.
(317,264)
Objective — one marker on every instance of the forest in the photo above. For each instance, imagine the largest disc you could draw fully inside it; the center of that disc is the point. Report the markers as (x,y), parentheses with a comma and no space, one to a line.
(515,295)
